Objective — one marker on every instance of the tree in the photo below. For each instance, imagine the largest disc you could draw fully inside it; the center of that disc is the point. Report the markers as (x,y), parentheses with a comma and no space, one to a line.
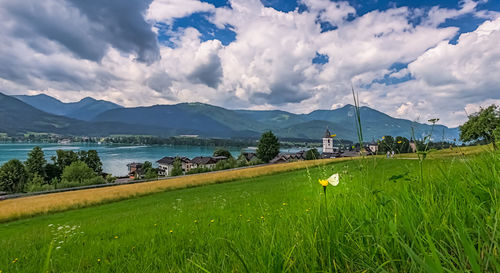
(91,158)
(77,172)
(148,170)
(64,159)
(269,147)
(223,152)
(387,144)
(177,169)
(35,164)
(13,176)
(52,172)
(402,144)
(481,125)
(312,154)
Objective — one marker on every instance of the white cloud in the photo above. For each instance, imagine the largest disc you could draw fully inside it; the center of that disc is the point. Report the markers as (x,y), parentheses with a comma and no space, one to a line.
(166,10)
(269,65)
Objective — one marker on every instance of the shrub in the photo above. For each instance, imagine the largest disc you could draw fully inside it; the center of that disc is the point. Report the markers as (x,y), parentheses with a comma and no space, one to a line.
(78,174)
(312,154)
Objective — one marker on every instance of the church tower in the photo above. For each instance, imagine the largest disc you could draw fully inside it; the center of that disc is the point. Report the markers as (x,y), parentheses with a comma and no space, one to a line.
(328,142)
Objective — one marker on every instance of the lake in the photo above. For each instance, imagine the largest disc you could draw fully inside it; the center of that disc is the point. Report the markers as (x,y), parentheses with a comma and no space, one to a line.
(114,157)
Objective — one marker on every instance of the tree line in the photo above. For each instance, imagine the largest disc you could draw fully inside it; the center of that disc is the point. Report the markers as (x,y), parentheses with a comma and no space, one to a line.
(67,169)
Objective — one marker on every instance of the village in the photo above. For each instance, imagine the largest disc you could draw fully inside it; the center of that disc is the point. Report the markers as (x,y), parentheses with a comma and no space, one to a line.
(330,149)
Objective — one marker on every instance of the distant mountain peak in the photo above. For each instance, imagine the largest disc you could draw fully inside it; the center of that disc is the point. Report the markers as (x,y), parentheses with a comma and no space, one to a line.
(85,109)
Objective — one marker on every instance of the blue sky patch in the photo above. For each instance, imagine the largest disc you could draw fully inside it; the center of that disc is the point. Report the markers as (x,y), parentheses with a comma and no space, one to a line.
(199,21)
(320,59)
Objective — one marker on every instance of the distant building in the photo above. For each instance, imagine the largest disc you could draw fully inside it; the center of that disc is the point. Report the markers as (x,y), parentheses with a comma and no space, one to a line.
(284,157)
(373,147)
(249,157)
(188,136)
(166,165)
(328,142)
(134,170)
(207,162)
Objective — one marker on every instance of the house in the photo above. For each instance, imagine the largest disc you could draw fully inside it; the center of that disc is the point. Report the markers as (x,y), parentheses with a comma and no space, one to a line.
(166,164)
(134,170)
(372,148)
(249,157)
(283,157)
(207,162)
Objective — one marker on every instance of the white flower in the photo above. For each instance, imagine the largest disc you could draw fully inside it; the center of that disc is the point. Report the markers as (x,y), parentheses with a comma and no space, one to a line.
(334,179)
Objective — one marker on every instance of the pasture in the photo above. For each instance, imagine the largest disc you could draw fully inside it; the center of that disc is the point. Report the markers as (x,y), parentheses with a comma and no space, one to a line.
(380,218)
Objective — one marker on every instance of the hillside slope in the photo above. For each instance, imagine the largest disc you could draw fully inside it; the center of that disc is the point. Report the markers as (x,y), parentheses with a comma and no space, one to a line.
(85,109)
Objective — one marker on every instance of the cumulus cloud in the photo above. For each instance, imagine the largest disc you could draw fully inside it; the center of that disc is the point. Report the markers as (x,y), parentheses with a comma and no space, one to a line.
(166,10)
(109,50)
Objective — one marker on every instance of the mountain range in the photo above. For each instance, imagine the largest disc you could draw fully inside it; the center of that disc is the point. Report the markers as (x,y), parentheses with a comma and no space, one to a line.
(90,117)
(85,109)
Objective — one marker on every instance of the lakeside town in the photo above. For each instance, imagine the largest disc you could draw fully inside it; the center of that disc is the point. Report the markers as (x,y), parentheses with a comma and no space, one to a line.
(176,165)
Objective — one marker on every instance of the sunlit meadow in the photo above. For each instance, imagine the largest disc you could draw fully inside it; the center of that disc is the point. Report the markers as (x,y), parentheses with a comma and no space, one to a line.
(379,218)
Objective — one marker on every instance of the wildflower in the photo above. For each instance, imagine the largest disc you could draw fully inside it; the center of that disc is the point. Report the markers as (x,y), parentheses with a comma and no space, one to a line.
(98,260)
(195,221)
(116,237)
(284,204)
(241,215)
(323,182)
(156,225)
(15,260)
(334,179)
(383,137)
(334,135)
(171,231)
(307,210)
(248,220)
(399,142)
(212,221)
(58,247)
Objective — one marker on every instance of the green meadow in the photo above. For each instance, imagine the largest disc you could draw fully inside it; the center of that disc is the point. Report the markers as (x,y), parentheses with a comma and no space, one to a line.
(382,217)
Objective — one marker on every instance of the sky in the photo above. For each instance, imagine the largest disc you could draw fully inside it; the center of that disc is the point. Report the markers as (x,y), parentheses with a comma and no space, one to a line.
(410,59)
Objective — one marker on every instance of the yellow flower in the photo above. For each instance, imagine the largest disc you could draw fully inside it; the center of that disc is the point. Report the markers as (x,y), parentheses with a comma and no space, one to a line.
(334,135)
(399,142)
(212,221)
(383,137)
(156,225)
(307,210)
(323,182)
(116,237)
(284,204)
(98,260)
(248,220)
(171,231)
(15,260)
(195,221)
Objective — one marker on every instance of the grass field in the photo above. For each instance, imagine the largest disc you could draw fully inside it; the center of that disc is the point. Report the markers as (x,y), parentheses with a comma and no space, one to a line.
(380,218)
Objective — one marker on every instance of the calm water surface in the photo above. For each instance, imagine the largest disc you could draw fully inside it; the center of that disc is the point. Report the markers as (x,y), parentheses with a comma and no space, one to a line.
(114,157)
